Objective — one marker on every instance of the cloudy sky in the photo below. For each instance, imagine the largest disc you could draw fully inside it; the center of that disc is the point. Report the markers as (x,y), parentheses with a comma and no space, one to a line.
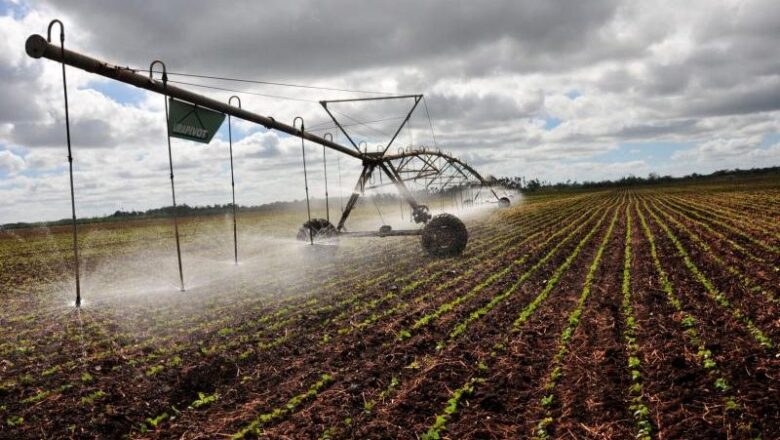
(557,90)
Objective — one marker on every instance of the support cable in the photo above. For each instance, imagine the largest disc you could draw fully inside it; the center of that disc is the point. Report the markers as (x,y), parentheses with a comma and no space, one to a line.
(225,89)
(365,124)
(329,126)
(272,83)
(316,127)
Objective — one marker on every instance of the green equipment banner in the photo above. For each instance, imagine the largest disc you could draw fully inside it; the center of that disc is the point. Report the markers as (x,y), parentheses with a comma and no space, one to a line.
(188,121)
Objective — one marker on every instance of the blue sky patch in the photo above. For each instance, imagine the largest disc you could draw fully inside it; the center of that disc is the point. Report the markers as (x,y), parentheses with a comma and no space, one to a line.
(17,11)
(122,93)
(770,139)
(551,122)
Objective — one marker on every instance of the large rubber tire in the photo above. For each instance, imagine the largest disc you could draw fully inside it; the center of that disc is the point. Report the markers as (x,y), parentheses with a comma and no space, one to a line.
(444,236)
(504,202)
(320,229)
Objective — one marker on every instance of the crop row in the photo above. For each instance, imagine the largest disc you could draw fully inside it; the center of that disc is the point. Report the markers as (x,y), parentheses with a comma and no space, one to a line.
(637,406)
(573,320)
(256,425)
(737,231)
(526,313)
(748,283)
(734,217)
(717,234)
(688,322)
(713,292)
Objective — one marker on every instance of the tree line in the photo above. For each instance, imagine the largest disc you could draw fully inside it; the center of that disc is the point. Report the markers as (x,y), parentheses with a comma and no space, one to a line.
(517,183)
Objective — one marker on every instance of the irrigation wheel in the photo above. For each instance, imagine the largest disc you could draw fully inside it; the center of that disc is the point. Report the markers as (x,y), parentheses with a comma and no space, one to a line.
(504,202)
(445,236)
(319,228)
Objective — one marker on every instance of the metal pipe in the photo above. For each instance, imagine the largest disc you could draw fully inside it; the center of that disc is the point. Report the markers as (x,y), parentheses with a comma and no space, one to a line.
(341,127)
(37,47)
(382,98)
(341,195)
(325,169)
(70,163)
(170,164)
(305,180)
(391,233)
(233,180)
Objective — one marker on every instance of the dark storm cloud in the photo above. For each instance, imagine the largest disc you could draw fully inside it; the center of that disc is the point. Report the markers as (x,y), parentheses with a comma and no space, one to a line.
(753,99)
(732,68)
(616,80)
(492,107)
(17,99)
(16,102)
(667,79)
(306,40)
(88,133)
(313,38)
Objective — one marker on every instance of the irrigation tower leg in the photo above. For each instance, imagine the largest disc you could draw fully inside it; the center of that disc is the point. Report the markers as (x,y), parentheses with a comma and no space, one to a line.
(359,186)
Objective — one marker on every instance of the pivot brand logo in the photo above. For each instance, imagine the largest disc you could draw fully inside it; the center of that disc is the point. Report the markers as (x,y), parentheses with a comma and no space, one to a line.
(188,121)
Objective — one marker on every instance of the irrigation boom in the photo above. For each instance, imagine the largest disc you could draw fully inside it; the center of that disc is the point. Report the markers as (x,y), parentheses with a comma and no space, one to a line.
(37,47)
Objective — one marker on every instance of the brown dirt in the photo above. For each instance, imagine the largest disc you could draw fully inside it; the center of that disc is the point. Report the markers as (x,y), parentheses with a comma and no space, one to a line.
(109,370)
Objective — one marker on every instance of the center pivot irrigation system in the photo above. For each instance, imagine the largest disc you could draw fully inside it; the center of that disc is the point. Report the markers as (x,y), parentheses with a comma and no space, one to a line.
(442,235)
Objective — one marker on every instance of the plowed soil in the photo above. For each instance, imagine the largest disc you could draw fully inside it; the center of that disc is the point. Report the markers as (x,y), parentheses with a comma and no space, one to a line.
(525,335)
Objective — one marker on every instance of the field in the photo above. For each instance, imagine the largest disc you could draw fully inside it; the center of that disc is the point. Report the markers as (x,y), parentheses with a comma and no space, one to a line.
(647,313)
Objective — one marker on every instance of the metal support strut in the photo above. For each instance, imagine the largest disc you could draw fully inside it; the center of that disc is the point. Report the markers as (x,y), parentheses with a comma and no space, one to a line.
(70,161)
(170,164)
(233,181)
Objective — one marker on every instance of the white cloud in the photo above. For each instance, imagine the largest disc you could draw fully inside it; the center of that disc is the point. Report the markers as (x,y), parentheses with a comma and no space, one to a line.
(10,163)
(730,153)
(705,74)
